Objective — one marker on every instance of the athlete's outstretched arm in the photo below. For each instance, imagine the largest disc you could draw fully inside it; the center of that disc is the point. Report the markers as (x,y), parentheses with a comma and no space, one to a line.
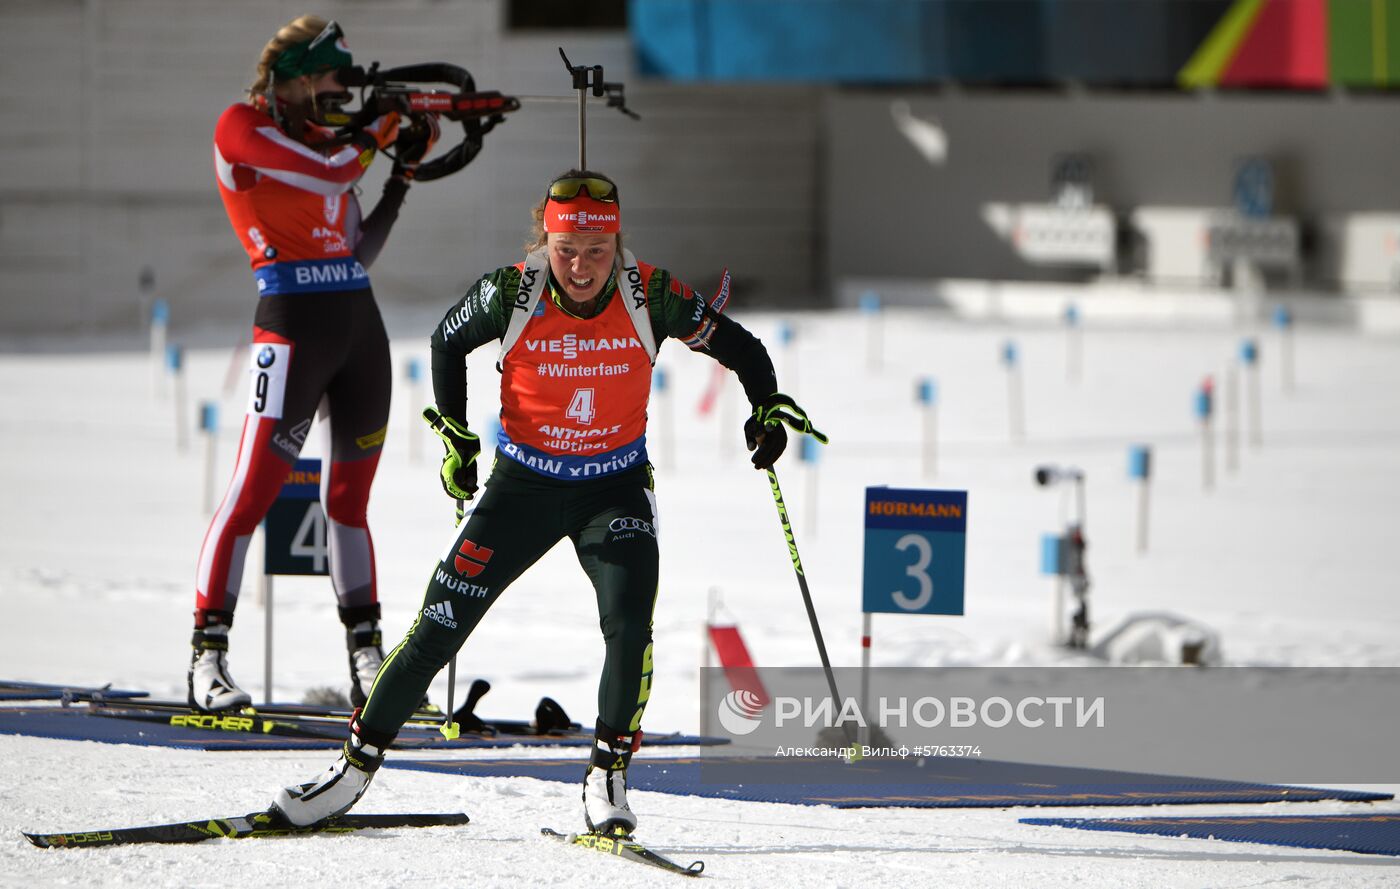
(245,137)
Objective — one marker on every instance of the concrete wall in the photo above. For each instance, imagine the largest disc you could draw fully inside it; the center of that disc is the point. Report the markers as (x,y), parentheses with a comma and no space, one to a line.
(107,110)
(1333,157)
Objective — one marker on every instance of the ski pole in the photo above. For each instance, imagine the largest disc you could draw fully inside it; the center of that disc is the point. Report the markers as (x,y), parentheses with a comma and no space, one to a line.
(450,729)
(806,593)
(784,410)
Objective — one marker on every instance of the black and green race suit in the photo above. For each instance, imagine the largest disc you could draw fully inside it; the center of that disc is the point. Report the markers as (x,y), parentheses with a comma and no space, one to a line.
(521,514)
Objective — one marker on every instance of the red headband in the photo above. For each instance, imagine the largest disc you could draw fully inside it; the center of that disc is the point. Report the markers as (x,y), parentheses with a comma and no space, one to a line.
(582,215)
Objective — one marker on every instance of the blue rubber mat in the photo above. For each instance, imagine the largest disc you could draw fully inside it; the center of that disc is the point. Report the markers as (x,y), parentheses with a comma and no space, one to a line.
(1373,834)
(962,783)
(81,724)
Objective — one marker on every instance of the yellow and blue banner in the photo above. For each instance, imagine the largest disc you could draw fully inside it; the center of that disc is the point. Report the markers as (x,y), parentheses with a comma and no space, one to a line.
(915,551)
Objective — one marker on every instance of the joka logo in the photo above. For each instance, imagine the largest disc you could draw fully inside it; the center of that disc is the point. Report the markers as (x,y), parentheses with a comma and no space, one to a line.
(477,557)
(740,711)
(266,356)
(442,613)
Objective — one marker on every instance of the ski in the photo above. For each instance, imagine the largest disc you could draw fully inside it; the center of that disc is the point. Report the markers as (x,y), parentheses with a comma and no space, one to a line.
(11,690)
(256,825)
(420,719)
(228,722)
(624,846)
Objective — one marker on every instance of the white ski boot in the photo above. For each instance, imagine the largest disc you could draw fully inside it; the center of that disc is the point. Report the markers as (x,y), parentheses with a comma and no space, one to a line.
(605,808)
(337,789)
(365,645)
(209,684)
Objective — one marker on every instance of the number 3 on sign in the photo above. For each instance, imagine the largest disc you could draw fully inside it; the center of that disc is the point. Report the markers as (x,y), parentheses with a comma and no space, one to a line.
(581,407)
(918,571)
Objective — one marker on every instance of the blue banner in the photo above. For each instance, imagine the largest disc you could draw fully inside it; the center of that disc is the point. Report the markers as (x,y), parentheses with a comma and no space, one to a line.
(303,481)
(915,551)
(294,529)
(311,276)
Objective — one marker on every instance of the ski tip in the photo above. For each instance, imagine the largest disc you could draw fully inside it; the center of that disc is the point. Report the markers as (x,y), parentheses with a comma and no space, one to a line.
(625,846)
(39,840)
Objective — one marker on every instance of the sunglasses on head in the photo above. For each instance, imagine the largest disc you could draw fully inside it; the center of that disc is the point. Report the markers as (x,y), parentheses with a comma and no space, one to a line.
(570,188)
(330,32)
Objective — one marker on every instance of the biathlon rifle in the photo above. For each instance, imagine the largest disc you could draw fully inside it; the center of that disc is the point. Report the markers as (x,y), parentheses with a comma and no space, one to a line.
(402,89)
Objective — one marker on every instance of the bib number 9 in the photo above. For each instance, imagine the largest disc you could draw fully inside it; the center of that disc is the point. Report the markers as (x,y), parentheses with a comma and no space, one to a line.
(268,367)
(260,393)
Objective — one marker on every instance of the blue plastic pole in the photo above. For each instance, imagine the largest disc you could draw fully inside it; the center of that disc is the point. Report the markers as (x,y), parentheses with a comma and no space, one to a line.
(1140,469)
(1204,405)
(1016,411)
(1074,343)
(1283,320)
(927,395)
(1249,357)
(209,425)
(874,341)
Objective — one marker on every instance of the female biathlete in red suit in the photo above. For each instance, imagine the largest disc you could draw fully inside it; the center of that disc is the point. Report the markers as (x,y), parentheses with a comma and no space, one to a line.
(318,341)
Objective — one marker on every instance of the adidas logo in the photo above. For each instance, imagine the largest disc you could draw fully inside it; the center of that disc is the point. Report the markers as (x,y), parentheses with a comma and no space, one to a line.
(442,613)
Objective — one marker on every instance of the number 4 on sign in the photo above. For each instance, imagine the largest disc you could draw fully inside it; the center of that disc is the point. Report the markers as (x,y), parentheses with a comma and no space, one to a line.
(581,407)
(310,540)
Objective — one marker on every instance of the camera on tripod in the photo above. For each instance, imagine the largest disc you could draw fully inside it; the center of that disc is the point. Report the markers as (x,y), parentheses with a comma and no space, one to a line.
(1063,556)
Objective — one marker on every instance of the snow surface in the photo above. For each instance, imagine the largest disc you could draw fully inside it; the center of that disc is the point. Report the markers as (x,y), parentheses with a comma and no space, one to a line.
(101,521)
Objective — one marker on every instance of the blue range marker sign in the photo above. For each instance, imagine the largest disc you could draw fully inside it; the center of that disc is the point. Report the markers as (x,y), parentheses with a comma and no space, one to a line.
(915,551)
(294,530)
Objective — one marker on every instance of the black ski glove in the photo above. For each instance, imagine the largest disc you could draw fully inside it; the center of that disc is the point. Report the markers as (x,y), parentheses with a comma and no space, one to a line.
(458,472)
(417,136)
(764,433)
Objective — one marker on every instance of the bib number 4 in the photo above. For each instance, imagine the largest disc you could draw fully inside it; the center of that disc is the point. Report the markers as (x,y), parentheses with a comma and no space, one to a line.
(581,407)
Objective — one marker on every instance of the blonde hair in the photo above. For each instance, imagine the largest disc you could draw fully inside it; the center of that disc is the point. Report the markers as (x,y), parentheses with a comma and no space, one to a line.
(298,30)
(538,236)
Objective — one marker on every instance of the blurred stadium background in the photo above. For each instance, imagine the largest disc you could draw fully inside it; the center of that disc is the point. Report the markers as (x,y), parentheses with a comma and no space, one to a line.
(1149,154)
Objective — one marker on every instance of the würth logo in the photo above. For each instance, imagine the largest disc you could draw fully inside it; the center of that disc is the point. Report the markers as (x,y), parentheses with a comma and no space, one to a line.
(476,558)
(442,613)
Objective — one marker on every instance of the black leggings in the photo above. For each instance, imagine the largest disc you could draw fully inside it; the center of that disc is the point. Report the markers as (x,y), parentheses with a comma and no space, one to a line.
(516,519)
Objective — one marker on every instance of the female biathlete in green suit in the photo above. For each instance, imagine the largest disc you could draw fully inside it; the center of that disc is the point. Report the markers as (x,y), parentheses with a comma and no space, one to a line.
(579,321)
